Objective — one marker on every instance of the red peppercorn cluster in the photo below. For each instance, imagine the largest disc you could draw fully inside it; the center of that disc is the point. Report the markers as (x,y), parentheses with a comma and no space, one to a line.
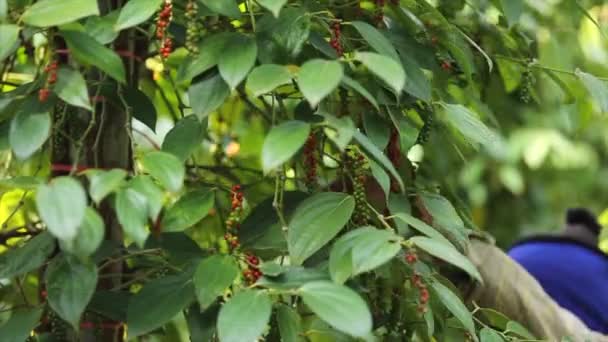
(446,65)
(164,19)
(335,39)
(51,70)
(311,160)
(411,257)
(233,221)
(423,293)
(252,273)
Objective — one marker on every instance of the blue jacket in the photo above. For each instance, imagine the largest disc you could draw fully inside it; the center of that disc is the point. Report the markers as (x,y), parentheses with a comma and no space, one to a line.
(574,274)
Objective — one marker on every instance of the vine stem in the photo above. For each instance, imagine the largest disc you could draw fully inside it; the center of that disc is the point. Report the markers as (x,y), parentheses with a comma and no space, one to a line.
(277,202)
(542,67)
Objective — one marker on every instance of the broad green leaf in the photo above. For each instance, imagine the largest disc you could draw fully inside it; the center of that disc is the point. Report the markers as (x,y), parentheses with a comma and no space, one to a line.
(110,304)
(141,107)
(494,318)
(238,58)
(416,83)
(102,28)
(3,9)
(225,7)
(188,210)
(282,143)
(283,38)
(8,38)
(72,88)
(316,221)
(31,255)
(375,153)
(166,168)
(146,187)
(208,95)
(361,250)
(158,302)
(102,183)
(62,204)
(293,278)
(519,330)
(339,130)
(19,326)
(211,49)
(381,177)
(376,129)
(202,325)
(213,276)
(445,218)
(454,41)
(87,50)
(70,287)
(421,227)
(184,138)
(467,123)
(454,305)
(489,335)
(376,39)
(512,9)
(244,316)
(131,210)
(386,68)
(47,13)
(135,12)
(339,306)
(28,132)
(448,253)
(290,324)
(89,237)
(21,182)
(596,88)
(265,78)
(356,86)
(273,6)
(317,78)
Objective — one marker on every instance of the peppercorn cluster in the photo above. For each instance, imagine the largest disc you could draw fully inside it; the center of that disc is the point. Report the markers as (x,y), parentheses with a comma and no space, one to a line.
(51,70)
(162,23)
(358,165)
(527,84)
(423,293)
(311,161)
(335,42)
(192,28)
(234,218)
(425,131)
(252,272)
(379,15)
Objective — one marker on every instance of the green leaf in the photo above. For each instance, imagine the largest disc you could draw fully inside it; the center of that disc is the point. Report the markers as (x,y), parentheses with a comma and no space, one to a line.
(489,335)
(28,132)
(265,78)
(89,237)
(70,287)
(21,182)
(339,130)
(494,318)
(188,210)
(339,306)
(131,210)
(158,302)
(141,107)
(225,7)
(512,10)
(213,276)
(102,28)
(378,156)
(19,326)
(454,305)
(211,48)
(596,88)
(72,88)
(62,204)
(273,6)
(361,250)
(290,324)
(282,143)
(421,227)
(381,177)
(102,183)
(386,68)
(377,130)
(293,278)
(317,78)
(135,12)
(448,253)
(416,83)
(356,86)
(376,39)
(87,50)
(8,39)
(166,168)
(31,255)
(208,95)
(151,192)
(47,13)
(244,316)
(467,123)
(316,221)
(202,325)
(519,330)
(283,38)
(445,218)
(184,138)
(238,58)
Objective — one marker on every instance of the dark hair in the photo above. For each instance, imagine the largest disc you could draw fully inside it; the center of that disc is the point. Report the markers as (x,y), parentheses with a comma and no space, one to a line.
(583,217)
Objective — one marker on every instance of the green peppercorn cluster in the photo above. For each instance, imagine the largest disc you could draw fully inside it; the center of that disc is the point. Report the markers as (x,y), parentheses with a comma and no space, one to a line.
(527,84)
(358,165)
(425,131)
(193,29)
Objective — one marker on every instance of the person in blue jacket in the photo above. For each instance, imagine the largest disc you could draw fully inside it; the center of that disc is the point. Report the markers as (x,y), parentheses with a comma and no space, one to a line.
(570,267)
